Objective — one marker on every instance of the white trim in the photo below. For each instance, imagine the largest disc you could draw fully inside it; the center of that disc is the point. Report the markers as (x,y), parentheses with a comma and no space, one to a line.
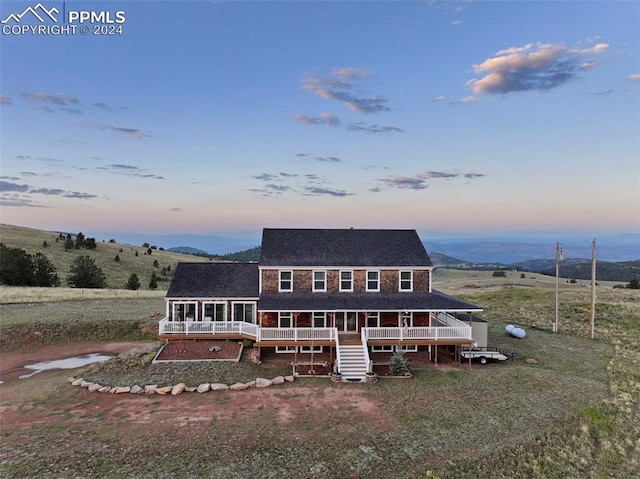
(255,311)
(410,290)
(340,288)
(225,315)
(280,281)
(377,280)
(354,267)
(313,280)
(282,314)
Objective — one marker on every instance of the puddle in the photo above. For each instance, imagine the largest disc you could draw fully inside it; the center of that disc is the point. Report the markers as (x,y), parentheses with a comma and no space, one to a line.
(68,363)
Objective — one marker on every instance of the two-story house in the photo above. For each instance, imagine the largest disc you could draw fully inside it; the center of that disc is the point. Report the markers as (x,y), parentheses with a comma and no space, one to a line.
(351,291)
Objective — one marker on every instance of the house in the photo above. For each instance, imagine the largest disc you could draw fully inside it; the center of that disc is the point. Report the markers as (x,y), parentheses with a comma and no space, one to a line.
(349,292)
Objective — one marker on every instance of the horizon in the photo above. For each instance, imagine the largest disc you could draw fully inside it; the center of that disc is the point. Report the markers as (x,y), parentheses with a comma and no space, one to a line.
(226,117)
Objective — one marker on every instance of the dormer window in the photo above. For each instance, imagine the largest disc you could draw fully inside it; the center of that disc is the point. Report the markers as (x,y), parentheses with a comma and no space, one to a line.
(286,281)
(406,280)
(346,280)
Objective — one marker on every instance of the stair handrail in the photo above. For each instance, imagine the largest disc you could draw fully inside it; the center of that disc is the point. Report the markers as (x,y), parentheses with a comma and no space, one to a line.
(363,339)
(337,337)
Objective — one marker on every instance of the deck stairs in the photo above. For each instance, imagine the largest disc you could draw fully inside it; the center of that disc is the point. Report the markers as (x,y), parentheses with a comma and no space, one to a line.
(353,363)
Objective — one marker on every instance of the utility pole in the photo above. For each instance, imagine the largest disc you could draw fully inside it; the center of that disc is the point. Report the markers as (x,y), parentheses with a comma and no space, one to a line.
(592,333)
(558,258)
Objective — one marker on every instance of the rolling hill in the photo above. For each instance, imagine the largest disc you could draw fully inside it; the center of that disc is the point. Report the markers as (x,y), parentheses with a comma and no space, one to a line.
(132,258)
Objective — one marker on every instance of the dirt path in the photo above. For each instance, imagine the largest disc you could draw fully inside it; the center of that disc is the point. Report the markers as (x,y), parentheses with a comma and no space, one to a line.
(12,363)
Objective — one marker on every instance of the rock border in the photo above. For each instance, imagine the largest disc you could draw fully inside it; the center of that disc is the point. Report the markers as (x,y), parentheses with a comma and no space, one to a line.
(179,388)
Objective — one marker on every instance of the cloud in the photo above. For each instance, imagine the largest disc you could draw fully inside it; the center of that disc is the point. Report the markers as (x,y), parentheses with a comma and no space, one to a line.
(19,201)
(419,181)
(5,100)
(78,195)
(176,210)
(321,119)
(308,184)
(634,77)
(405,182)
(315,191)
(338,88)
(129,170)
(540,66)
(59,99)
(323,159)
(373,128)
(47,191)
(6,186)
(456,23)
(438,98)
(101,106)
(602,93)
(350,72)
(132,133)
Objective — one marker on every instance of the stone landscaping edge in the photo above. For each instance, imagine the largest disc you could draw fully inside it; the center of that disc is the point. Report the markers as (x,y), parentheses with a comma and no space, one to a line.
(179,388)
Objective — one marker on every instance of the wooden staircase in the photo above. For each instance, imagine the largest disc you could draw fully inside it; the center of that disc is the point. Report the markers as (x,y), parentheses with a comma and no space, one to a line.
(352,362)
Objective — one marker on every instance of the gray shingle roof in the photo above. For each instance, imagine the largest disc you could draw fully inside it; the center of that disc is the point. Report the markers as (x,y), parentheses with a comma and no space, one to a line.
(434,301)
(214,280)
(342,247)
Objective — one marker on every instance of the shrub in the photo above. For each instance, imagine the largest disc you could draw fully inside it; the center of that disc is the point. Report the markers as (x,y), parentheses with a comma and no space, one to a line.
(398,364)
(499,274)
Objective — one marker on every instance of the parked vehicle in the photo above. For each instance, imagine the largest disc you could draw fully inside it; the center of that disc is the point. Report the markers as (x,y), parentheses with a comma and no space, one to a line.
(484,355)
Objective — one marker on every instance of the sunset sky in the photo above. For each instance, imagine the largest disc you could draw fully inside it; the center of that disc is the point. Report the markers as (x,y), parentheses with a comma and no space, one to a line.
(227,117)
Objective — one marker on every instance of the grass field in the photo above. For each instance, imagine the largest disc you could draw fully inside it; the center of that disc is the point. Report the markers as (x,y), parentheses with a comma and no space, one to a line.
(117,273)
(574,414)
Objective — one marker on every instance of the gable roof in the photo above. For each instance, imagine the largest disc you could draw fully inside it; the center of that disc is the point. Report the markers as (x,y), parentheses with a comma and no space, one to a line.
(214,280)
(342,247)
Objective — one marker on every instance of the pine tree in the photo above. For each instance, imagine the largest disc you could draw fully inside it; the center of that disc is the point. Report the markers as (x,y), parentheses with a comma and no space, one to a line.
(84,273)
(153,283)
(133,283)
(397,364)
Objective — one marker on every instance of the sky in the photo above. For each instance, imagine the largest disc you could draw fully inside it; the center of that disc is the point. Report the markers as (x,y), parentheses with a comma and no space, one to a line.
(206,117)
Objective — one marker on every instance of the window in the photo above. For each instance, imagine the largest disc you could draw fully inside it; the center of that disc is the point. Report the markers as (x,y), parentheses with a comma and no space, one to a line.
(184,311)
(373,280)
(381,349)
(406,280)
(308,349)
(284,320)
(214,311)
(346,280)
(320,281)
(285,349)
(286,281)
(373,320)
(244,312)
(319,320)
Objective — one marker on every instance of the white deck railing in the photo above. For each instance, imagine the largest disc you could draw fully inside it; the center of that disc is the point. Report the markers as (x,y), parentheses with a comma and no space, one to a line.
(298,334)
(209,327)
(450,320)
(419,333)
(455,329)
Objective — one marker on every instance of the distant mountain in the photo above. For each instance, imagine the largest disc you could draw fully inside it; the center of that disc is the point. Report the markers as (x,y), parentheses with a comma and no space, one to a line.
(514,250)
(187,250)
(211,244)
(578,268)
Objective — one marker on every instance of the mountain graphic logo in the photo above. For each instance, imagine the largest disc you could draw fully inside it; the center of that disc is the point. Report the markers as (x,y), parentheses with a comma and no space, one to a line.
(39,11)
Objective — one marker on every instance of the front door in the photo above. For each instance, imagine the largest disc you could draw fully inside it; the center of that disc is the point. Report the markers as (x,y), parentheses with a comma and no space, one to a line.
(346,322)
